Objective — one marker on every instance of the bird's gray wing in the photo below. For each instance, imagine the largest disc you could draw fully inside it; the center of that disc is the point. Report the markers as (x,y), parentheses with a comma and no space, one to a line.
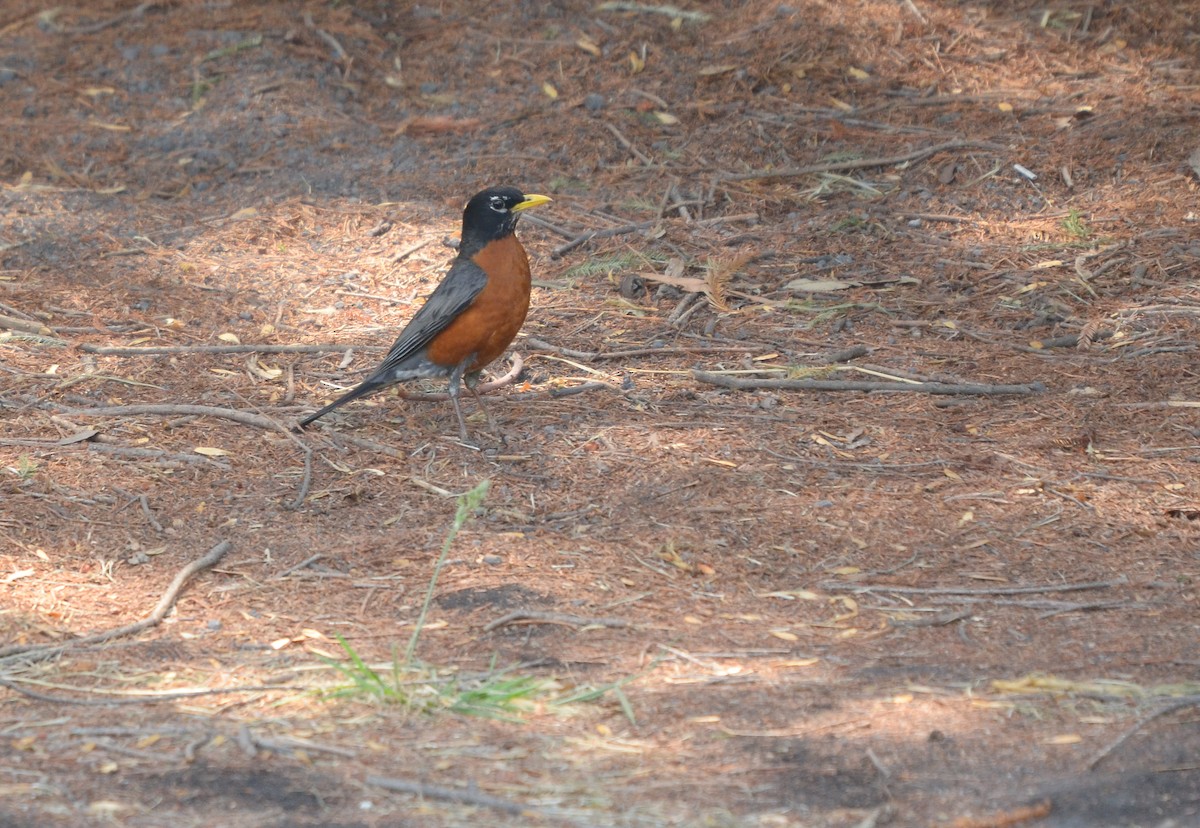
(458,290)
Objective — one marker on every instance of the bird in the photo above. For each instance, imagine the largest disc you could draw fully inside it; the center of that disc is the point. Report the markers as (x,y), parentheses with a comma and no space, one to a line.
(472,315)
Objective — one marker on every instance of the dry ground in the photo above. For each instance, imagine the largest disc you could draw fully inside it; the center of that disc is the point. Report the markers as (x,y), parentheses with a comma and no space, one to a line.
(797,607)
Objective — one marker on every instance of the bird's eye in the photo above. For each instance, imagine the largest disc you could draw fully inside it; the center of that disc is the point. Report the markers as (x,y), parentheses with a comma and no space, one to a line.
(497,204)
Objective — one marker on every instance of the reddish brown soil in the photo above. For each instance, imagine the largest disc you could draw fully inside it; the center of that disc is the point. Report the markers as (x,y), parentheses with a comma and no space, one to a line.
(185,173)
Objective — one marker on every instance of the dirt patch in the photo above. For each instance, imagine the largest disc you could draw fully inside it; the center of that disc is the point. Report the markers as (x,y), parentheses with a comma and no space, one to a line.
(798,603)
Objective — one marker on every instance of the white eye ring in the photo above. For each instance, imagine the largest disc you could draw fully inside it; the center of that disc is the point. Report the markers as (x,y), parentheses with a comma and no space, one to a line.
(497,204)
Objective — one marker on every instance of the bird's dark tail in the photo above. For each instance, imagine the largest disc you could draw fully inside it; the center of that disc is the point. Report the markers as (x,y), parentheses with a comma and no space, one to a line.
(363,389)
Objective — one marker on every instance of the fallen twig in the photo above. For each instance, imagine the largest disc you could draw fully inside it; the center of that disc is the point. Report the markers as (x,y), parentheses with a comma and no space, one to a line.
(629,145)
(145,504)
(838,586)
(17,686)
(584,238)
(859,164)
(33,327)
(809,384)
(288,745)
(633,227)
(42,651)
(170,410)
(461,797)
(542,345)
(162,350)
(311,559)
(538,617)
(129,14)
(1170,707)
(305,480)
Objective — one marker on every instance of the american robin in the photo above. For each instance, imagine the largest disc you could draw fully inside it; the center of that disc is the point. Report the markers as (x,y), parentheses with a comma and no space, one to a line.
(473,315)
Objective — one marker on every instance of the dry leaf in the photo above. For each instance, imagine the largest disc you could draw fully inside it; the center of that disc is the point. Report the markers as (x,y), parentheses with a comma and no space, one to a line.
(1004,106)
(709,71)
(858,74)
(588,46)
(230,338)
(549,90)
(666,118)
(636,64)
(244,213)
(784,635)
(209,451)
(1065,739)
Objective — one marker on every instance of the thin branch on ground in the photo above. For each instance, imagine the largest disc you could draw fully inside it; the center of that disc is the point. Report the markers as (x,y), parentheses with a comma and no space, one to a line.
(363,443)
(542,345)
(144,501)
(311,559)
(165,350)
(559,393)
(629,145)
(305,480)
(173,410)
(25,326)
(1170,707)
(809,384)
(93,28)
(847,355)
(288,745)
(838,586)
(16,685)
(459,797)
(861,163)
(633,227)
(1051,606)
(143,453)
(607,233)
(537,617)
(40,652)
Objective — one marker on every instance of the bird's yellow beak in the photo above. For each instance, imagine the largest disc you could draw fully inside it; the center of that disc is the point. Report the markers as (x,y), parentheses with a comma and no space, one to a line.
(531,200)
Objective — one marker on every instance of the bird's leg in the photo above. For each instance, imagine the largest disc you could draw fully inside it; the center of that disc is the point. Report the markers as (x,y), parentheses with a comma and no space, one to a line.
(455,389)
(472,380)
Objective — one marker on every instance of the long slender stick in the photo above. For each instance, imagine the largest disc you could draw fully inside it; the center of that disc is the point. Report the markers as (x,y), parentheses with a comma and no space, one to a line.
(835,586)
(746,384)
(41,652)
(859,164)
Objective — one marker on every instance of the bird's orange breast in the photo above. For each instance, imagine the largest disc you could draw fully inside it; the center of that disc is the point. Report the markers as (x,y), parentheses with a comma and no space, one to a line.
(491,322)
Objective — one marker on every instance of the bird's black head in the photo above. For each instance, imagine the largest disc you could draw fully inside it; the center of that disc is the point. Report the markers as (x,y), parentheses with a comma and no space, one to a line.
(492,214)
